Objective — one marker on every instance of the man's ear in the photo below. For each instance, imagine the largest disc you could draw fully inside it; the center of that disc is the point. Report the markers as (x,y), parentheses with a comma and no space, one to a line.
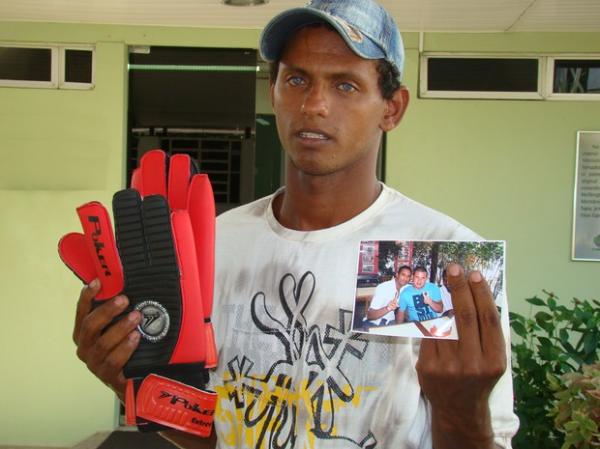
(271,91)
(395,108)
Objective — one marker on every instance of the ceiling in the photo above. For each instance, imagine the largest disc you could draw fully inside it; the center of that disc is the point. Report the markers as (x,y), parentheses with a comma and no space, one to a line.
(411,15)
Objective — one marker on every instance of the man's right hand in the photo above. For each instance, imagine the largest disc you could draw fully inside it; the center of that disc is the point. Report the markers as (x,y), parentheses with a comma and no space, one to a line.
(392,305)
(106,353)
(104,350)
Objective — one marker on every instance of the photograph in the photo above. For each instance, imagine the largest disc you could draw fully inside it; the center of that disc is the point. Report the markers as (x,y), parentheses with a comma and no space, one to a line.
(402,288)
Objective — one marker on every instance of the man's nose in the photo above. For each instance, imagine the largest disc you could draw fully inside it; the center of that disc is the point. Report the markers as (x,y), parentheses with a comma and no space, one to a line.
(315,101)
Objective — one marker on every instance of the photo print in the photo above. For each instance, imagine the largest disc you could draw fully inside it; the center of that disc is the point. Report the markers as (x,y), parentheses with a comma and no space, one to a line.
(401,286)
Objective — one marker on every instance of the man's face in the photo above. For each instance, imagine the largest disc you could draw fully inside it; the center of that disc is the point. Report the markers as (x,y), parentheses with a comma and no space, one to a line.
(419,279)
(330,112)
(403,277)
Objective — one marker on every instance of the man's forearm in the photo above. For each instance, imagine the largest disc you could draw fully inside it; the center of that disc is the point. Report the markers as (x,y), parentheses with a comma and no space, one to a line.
(374,314)
(450,431)
(437,306)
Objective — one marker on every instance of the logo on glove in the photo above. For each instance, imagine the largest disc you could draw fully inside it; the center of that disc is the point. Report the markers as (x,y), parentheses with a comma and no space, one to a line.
(155,320)
(98,244)
(193,406)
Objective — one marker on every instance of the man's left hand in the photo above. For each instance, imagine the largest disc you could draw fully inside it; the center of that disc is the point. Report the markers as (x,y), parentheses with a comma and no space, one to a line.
(457,376)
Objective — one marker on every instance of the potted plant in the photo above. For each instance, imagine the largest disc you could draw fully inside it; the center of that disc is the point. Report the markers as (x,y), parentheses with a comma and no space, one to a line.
(576,409)
(554,340)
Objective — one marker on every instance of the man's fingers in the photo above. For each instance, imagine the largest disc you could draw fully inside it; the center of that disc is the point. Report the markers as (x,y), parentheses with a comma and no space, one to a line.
(109,368)
(95,321)
(428,357)
(84,306)
(490,327)
(114,336)
(465,312)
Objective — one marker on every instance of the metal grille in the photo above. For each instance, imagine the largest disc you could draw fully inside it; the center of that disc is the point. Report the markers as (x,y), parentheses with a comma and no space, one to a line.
(217,153)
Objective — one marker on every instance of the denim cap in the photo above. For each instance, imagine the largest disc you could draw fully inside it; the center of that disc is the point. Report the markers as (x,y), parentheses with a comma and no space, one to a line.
(365,26)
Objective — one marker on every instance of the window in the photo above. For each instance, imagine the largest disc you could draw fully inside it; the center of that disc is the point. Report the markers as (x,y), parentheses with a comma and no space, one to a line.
(29,67)
(536,77)
(573,78)
(476,76)
(77,65)
(47,66)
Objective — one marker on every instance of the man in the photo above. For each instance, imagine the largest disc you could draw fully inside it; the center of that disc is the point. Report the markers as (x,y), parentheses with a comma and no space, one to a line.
(291,374)
(383,306)
(446,297)
(420,301)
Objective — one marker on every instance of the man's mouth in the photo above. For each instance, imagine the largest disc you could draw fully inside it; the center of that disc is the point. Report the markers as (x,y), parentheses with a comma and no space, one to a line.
(312,135)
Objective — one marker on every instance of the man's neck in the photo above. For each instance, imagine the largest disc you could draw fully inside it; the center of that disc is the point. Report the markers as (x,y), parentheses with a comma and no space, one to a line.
(309,203)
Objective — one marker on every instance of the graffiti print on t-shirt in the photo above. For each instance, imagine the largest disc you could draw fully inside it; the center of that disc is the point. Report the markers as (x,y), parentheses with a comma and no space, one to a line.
(303,392)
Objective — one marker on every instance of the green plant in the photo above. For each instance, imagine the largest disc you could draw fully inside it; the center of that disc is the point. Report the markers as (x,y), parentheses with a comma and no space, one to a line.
(556,340)
(576,409)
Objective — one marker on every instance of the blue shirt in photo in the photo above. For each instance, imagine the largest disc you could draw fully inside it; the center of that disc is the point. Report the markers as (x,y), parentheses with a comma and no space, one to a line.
(412,302)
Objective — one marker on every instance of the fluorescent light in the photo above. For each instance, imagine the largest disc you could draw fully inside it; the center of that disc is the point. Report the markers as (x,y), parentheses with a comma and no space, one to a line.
(245,2)
(193,68)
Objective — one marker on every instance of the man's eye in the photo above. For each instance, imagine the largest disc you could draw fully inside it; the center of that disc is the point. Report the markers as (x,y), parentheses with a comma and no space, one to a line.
(346,87)
(295,80)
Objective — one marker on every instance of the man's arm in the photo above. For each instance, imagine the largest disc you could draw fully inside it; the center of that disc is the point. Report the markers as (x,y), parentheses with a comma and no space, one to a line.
(457,377)
(106,352)
(381,305)
(373,314)
(437,306)
(400,316)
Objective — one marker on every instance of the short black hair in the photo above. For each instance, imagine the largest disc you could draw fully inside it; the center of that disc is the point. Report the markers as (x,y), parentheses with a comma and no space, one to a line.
(404,267)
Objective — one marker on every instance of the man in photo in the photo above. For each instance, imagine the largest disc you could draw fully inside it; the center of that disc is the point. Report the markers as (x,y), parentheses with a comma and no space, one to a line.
(382,310)
(420,301)
(446,298)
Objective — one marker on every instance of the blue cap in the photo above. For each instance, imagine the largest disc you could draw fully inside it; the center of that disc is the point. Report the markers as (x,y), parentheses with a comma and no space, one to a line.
(365,26)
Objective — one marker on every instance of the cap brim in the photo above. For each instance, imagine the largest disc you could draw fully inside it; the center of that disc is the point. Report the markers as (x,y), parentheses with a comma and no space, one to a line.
(280,29)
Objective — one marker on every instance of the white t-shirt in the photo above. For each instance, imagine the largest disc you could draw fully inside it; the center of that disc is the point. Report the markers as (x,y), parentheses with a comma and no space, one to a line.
(291,374)
(446,299)
(384,293)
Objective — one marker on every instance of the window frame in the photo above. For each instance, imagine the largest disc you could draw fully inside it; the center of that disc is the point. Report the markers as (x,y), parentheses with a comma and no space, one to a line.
(63,84)
(57,67)
(424,92)
(52,84)
(549,78)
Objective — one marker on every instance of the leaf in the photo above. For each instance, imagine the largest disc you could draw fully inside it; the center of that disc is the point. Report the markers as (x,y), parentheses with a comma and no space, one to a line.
(553,382)
(514,316)
(590,343)
(571,425)
(544,320)
(519,329)
(545,342)
(535,301)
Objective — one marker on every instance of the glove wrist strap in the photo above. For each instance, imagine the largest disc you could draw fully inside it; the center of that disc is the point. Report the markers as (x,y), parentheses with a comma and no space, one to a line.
(169,403)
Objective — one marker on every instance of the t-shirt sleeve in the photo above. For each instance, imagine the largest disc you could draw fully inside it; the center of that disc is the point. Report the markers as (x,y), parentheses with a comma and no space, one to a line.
(377,299)
(434,292)
(403,303)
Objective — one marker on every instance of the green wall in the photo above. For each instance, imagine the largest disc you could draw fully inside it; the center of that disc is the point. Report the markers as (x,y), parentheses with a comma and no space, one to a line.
(59,149)
(505,168)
